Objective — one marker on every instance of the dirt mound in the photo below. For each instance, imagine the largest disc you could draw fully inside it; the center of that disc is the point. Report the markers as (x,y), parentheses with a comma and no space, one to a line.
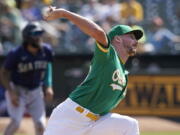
(146,124)
(25,128)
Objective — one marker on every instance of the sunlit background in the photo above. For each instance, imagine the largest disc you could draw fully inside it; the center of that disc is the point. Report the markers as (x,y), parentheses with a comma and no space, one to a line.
(154,81)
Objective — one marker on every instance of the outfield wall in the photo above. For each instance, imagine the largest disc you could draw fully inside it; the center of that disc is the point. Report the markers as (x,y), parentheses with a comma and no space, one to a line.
(152,95)
(153,89)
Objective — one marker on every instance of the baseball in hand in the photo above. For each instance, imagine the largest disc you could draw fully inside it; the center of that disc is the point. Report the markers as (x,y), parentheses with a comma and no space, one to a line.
(47,11)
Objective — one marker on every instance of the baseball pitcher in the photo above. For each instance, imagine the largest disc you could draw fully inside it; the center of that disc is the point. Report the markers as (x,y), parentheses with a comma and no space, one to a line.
(87,109)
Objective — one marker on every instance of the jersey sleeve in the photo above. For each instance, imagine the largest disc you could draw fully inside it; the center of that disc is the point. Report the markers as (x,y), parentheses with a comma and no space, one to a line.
(49,52)
(101,52)
(10,62)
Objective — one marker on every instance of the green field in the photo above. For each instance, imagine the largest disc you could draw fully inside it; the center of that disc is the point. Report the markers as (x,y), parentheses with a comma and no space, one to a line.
(146,133)
(160,133)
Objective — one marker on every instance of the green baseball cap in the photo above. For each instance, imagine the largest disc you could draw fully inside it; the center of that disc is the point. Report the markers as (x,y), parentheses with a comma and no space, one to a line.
(124,29)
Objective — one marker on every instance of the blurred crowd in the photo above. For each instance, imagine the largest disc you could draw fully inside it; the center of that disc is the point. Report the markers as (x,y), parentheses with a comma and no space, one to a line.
(65,38)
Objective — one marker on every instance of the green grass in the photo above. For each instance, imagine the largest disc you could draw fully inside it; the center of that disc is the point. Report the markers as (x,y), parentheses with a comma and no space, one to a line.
(161,133)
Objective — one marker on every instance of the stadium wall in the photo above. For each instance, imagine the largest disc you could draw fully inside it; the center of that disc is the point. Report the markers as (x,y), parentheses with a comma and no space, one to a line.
(154,83)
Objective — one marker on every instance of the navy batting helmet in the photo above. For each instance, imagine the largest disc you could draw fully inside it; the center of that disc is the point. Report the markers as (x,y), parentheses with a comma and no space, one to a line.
(32,29)
(31,33)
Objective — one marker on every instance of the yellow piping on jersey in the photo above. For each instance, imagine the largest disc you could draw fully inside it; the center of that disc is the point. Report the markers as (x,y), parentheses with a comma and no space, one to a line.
(101,48)
(121,60)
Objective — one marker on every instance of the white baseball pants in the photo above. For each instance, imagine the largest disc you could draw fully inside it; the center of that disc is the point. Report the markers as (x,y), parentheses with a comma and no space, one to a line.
(65,120)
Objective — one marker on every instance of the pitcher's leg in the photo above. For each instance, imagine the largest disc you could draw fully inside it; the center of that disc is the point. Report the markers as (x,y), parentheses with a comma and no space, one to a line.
(115,124)
(65,120)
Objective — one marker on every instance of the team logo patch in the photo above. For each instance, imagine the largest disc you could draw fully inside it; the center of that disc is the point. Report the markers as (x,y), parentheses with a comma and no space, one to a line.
(118,80)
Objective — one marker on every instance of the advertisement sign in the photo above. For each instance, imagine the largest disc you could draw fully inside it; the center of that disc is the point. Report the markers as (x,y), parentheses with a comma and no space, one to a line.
(151,95)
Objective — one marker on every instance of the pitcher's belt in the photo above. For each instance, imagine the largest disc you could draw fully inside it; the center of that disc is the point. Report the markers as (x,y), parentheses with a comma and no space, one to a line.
(90,115)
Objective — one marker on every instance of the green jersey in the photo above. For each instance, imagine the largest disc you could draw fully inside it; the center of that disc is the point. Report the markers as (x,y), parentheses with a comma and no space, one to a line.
(105,84)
